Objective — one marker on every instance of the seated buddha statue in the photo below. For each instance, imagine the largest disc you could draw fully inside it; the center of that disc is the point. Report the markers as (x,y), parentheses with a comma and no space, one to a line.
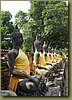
(20,78)
(47,57)
(39,60)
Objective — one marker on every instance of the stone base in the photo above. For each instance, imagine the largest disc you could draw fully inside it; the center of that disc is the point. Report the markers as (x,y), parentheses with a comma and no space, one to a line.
(7,93)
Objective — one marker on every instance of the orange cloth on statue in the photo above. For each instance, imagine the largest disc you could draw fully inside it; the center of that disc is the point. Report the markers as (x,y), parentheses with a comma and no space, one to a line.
(50,58)
(22,64)
(58,57)
(41,61)
(47,58)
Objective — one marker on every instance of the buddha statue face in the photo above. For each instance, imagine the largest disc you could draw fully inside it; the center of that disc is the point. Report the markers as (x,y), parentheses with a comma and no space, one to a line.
(37,45)
(49,49)
(45,47)
(17,38)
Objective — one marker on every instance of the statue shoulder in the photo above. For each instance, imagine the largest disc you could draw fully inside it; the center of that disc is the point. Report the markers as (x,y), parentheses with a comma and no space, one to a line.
(37,54)
(44,53)
(12,53)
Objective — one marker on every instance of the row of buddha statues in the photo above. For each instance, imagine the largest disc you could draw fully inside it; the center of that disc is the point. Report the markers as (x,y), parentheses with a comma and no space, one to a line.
(20,78)
(45,59)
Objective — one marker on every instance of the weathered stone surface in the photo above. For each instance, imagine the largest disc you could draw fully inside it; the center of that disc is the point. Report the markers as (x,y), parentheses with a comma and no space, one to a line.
(7,93)
(57,76)
(55,91)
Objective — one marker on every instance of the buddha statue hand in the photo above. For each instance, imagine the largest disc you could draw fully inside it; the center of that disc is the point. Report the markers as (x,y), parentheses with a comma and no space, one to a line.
(35,80)
(40,77)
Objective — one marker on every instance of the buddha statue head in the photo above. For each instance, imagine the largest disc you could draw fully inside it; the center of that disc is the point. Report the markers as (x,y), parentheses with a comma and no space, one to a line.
(37,43)
(44,47)
(16,38)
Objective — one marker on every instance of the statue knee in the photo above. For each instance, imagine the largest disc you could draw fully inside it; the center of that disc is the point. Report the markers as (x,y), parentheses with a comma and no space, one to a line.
(26,86)
(31,86)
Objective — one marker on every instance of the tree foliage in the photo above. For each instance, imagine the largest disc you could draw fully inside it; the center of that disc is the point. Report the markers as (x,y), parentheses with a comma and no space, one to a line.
(35,24)
(50,19)
(6,29)
(56,24)
(21,18)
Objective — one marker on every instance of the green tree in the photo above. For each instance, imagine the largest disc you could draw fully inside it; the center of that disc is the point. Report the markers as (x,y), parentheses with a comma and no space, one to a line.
(55,17)
(20,19)
(29,30)
(51,22)
(6,29)
(36,14)
(50,19)
(35,24)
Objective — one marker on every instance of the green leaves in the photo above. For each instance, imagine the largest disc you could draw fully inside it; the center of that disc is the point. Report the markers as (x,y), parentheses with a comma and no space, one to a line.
(5,17)
(20,19)
(48,18)
(6,29)
(56,22)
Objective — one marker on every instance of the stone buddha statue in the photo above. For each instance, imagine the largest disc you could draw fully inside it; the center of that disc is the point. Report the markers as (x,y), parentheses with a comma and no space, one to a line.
(45,50)
(20,79)
(39,60)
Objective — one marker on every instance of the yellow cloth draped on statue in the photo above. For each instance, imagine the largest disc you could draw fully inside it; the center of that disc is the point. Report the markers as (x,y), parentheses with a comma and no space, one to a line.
(58,56)
(50,58)
(42,62)
(21,63)
(47,58)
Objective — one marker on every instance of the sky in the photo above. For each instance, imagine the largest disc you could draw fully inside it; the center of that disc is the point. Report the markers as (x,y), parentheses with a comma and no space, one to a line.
(14,6)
